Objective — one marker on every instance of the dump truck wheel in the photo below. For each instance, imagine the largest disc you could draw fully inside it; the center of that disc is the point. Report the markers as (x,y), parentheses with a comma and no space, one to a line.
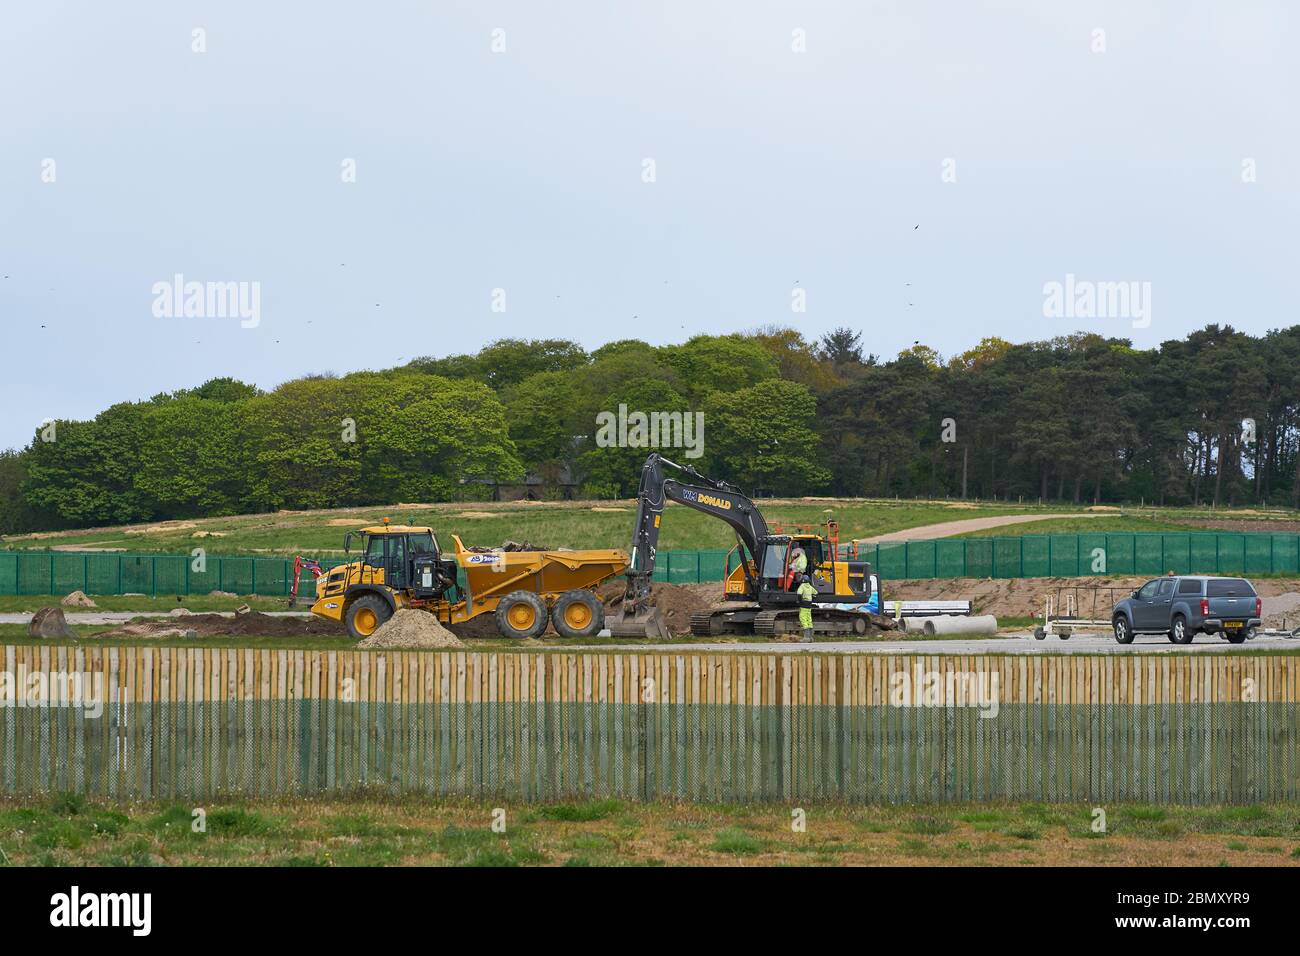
(521,614)
(366,615)
(578,613)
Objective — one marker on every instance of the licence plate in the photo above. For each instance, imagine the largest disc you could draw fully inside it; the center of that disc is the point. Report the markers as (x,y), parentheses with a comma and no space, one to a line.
(1234,625)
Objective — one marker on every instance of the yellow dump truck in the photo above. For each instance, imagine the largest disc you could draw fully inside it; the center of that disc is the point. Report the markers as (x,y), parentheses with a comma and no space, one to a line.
(402,566)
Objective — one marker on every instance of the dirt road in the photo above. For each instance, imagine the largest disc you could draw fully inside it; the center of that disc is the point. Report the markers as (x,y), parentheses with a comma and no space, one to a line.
(949,528)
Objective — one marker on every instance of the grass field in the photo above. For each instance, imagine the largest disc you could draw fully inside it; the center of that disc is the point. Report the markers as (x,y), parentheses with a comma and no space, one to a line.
(556,524)
(597,524)
(381,831)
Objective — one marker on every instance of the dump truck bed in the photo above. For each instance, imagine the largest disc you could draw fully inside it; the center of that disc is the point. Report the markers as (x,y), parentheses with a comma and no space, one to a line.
(491,575)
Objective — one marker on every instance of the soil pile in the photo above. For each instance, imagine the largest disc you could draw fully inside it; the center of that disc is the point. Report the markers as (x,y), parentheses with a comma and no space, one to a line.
(485,625)
(411,628)
(156,630)
(1282,612)
(78,599)
(677,601)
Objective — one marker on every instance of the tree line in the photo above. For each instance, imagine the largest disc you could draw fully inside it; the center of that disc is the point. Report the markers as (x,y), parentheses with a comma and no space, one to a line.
(1210,418)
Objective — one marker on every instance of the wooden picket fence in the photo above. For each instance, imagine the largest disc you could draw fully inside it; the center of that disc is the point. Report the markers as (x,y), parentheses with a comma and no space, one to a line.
(203,722)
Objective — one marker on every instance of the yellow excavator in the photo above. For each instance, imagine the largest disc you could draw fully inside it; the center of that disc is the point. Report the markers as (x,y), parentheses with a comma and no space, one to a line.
(758,594)
(404,566)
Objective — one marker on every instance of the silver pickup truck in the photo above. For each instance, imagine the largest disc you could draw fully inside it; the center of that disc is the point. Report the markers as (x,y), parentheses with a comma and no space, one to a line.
(1184,606)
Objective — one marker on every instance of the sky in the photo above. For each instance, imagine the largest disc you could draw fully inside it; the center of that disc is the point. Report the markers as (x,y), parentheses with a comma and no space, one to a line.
(397,179)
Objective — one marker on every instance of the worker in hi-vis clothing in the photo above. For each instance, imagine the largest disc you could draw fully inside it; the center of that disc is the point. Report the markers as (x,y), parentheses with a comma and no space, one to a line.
(806,594)
(798,567)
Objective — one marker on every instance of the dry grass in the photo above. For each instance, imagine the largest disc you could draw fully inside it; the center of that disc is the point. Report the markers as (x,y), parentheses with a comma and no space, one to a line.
(376,831)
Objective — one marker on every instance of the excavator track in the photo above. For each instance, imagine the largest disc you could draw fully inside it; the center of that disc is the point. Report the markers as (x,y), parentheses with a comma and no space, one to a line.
(703,624)
(766,623)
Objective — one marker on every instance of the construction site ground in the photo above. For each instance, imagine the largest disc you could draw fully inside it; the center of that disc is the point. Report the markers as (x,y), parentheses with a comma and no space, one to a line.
(1018,603)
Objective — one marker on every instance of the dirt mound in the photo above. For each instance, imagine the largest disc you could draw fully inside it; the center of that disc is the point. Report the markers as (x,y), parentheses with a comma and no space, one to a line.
(677,601)
(155,630)
(254,624)
(78,599)
(49,622)
(485,625)
(524,546)
(412,628)
(1282,611)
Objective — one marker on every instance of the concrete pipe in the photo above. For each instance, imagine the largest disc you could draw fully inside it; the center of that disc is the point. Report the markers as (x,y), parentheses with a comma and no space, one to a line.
(954,624)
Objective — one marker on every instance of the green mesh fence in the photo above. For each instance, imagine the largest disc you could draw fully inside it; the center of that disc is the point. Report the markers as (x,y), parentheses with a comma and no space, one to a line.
(1030,556)
(28,572)
(1073,555)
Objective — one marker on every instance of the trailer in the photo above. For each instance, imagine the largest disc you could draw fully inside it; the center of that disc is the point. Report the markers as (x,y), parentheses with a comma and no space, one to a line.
(1077,607)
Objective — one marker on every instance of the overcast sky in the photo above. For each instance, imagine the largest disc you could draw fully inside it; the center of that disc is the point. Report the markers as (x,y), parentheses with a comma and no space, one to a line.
(1110,156)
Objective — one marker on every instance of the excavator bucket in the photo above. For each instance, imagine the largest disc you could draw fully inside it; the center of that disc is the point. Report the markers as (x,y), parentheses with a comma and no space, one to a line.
(646,622)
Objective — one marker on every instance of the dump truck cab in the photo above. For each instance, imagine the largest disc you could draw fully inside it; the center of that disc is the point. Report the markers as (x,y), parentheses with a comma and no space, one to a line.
(400,565)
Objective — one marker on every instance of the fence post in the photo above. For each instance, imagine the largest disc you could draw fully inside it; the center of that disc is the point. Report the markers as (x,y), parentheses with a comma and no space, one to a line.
(153,576)
(1022,555)
(85,573)
(698,570)
(254,585)
(51,572)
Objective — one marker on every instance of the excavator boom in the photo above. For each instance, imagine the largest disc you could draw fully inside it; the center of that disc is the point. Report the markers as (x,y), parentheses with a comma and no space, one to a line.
(716,498)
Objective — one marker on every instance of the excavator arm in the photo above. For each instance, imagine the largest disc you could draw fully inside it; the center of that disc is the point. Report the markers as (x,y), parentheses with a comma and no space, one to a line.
(716,498)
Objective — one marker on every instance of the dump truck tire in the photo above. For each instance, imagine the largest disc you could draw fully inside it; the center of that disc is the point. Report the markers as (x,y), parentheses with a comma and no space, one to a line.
(366,615)
(578,613)
(521,614)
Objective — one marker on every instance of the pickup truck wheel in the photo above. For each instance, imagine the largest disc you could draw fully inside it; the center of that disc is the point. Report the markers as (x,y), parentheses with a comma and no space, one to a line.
(578,613)
(521,614)
(1235,637)
(1178,632)
(1123,633)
